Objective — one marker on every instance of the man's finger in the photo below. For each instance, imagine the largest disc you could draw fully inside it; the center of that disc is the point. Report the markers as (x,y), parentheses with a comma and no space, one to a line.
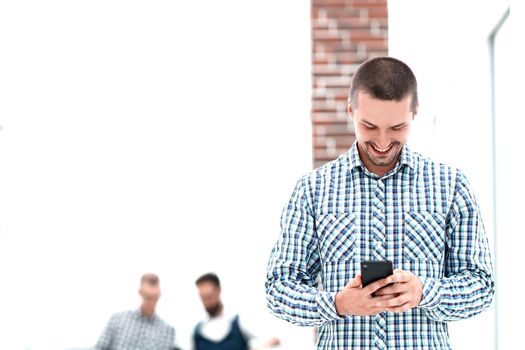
(372,287)
(397,301)
(392,289)
(384,297)
(401,308)
(400,276)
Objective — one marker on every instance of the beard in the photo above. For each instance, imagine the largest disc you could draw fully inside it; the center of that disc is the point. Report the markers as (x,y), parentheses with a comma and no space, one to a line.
(390,158)
(214,310)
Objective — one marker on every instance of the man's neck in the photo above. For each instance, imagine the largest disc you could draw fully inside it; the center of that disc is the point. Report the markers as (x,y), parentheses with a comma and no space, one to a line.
(219,313)
(146,314)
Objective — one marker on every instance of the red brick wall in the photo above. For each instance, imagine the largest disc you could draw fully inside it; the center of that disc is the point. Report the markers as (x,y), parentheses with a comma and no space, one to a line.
(344,34)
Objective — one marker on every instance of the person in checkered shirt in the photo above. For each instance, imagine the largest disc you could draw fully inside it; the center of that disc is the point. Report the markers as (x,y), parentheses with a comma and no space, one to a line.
(139,329)
(381,201)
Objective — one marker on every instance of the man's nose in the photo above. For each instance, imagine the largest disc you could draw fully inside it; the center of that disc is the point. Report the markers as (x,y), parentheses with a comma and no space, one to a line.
(383,140)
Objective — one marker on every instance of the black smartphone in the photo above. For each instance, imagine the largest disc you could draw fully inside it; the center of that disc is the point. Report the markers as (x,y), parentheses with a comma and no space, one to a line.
(374,270)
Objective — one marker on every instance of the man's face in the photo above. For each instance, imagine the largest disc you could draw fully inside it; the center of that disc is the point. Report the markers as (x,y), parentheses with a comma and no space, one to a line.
(381,128)
(150,296)
(210,295)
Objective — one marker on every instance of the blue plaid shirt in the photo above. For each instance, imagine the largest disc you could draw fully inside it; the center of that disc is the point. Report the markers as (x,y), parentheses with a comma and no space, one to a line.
(130,330)
(421,215)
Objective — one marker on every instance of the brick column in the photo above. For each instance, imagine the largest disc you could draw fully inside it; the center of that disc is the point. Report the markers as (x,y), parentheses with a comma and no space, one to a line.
(344,34)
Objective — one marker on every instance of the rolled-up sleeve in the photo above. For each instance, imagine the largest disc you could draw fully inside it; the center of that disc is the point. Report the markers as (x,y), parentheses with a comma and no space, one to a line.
(291,282)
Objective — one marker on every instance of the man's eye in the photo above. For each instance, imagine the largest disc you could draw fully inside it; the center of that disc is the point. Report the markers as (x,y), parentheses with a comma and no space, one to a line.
(369,127)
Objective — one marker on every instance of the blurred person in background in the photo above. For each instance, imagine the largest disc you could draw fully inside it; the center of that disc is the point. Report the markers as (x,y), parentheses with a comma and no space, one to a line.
(139,329)
(222,330)
(381,201)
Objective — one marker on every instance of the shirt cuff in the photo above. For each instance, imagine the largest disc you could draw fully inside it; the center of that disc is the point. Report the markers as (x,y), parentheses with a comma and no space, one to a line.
(431,293)
(326,306)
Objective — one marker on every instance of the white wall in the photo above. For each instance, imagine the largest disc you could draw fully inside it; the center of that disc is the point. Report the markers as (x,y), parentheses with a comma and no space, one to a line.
(509,193)
(447,45)
(144,136)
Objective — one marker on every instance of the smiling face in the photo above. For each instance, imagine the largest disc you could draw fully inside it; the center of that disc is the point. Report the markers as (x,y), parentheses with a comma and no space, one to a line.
(382,128)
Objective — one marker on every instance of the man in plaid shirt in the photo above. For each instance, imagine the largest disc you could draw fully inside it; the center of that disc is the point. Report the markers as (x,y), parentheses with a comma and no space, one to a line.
(139,329)
(381,201)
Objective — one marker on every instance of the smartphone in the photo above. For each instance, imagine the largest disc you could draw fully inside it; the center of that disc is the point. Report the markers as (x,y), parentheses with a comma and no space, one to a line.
(374,270)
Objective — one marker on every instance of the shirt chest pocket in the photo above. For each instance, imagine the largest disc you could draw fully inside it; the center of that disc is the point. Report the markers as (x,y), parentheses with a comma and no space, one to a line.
(336,234)
(424,237)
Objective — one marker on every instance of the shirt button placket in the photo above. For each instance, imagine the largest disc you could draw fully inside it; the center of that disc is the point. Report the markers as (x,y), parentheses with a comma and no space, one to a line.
(378,222)
(379,234)
(380,331)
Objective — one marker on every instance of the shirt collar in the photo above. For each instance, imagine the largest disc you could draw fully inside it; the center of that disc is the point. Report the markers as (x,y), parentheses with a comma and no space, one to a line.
(139,315)
(354,161)
(406,158)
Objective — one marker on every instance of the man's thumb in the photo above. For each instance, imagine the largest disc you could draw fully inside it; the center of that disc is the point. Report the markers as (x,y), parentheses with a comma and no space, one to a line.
(354,282)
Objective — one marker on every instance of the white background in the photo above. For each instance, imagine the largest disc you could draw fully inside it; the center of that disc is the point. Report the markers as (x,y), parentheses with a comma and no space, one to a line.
(145,136)
(166,136)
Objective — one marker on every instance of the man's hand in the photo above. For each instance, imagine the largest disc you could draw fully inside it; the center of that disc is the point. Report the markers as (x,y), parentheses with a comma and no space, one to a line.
(405,292)
(357,301)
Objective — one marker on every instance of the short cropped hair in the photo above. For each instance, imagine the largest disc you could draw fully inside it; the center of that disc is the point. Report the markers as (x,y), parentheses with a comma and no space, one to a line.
(209,277)
(384,78)
(150,278)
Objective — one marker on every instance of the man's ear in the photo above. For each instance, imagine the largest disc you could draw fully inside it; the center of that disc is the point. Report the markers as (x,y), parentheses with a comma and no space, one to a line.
(350,110)
(415,111)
